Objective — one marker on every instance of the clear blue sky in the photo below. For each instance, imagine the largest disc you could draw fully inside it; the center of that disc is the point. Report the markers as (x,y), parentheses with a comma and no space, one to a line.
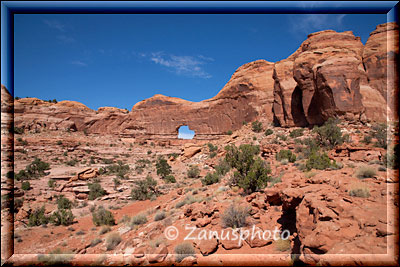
(118,60)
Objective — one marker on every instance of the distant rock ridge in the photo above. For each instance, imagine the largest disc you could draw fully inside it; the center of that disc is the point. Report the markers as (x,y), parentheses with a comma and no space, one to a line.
(332,74)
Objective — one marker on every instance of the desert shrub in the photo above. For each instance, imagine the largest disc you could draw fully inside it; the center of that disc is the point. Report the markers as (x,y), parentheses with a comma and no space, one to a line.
(319,161)
(296,133)
(160,215)
(210,178)
(117,182)
(183,250)
(144,189)
(367,139)
(212,148)
(25,185)
(149,152)
(59,142)
(170,179)
(18,130)
(251,172)
(187,201)
(256,126)
(71,162)
(95,242)
(282,137)
(274,180)
(101,216)
(235,216)
(56,257)
(379,132)
(163,168)
(51,183)
(35,169)
(139,219)
(359,190)
(329,134)
(365,172)
(113,240)
(229,132)
(95,191)
(390,159)
(37,217)
(62,217)
(223,167)
(120,169)
(282,244)
(63,202)
(104,230)
(213,154)
(268,132)
(193,171)
(18,203)
(286,154)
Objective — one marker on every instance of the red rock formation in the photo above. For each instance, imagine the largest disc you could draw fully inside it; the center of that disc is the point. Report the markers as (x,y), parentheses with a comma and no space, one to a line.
(325,77)
(380,60)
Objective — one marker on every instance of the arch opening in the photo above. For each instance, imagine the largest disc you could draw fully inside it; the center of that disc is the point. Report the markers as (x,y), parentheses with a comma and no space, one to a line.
(185,133)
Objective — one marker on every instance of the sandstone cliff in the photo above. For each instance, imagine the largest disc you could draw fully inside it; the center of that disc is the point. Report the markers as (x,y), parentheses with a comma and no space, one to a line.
(332,74)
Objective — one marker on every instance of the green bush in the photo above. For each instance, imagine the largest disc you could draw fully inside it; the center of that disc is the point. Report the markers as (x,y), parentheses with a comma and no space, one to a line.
(268,132)
(329,134)
(95,191)
(210,178)
(35,169)
(213,154)
(286,154)
(71,162)
(51,183)
(113,240)
(59,142)
(18,130)
(170,179)
(120,169)
(365,172)
(251,172)
(256,126)
(101,216)
(25,185)
(63,202)
(257,177)
(37,217)
(319,161)
(212,148)
(367,139)
(62,217)
(229,132)
(163,168)
(296,133)
(193,171)
(184,250)
(144,189)
(223,167)
(235,216)
(379,132)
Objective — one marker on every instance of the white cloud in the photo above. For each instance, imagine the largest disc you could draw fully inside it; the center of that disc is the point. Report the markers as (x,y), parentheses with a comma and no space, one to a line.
(78,63)
(309,23)
(55,24)
(65,39)
(182,65)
